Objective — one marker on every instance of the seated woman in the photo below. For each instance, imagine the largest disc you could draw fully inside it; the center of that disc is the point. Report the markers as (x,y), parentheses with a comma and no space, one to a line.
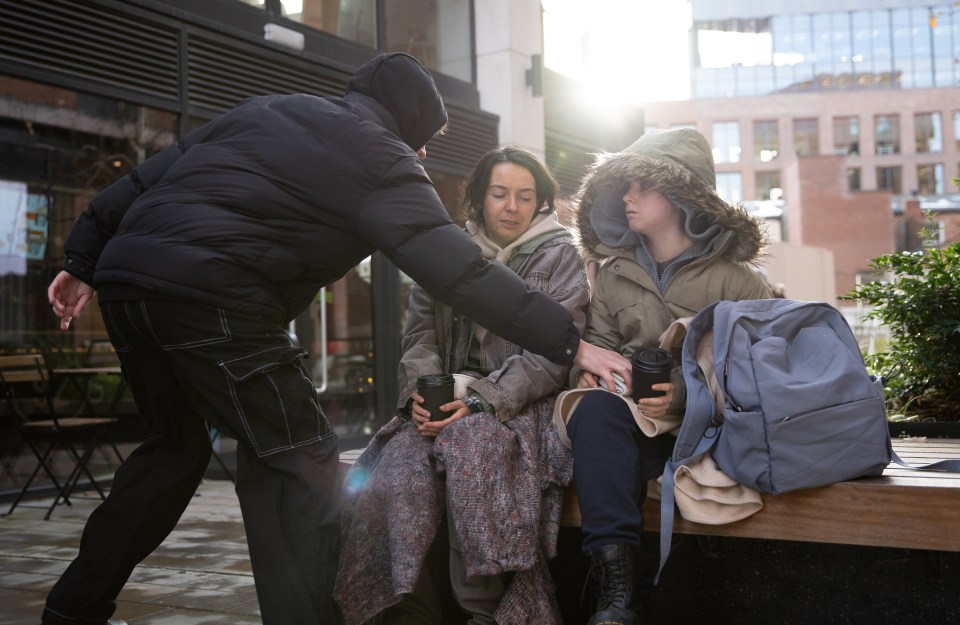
(495,467)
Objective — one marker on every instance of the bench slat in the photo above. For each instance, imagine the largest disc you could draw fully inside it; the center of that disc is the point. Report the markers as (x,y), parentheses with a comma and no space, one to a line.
(905,508)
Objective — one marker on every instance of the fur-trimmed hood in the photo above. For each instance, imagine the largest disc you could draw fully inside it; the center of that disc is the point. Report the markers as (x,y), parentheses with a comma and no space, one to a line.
(679,164)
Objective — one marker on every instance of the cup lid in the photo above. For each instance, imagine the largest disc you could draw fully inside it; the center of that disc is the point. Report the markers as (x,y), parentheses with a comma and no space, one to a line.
(435,379)
(652,358)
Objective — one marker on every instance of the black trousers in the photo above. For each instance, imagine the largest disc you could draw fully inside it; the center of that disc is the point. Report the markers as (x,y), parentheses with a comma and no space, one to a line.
(612,462)
(190,365)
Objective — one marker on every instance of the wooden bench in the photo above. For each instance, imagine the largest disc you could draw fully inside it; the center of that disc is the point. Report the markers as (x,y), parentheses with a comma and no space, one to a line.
(904,508)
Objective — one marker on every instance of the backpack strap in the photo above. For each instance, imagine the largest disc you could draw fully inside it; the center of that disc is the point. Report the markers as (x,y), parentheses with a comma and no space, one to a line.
(947,466)
(667,507)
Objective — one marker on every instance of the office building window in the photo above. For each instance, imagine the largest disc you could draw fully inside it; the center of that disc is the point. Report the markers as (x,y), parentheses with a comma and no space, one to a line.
(768,185)
(726,142)
(730,186)
(766,140)
(806,138)
(436,33)
(853,178)
(886,134)
(846,135)
(890,179)
(928,132)
(930,179)
(354,20)
(956,129)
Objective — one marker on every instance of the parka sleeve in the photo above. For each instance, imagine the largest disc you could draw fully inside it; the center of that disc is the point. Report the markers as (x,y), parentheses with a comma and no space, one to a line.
(420,345)
(601,329)
(405,219)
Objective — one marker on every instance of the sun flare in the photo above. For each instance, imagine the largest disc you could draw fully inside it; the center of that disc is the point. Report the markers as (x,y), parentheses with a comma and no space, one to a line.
(624,52)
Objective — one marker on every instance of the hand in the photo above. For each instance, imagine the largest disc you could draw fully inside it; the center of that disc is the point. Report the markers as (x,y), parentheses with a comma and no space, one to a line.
(430,428)
(603,363)
(655,407)
(587,380)
(68,295)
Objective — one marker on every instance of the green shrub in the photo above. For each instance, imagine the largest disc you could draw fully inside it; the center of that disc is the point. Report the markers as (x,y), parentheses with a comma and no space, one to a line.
(920,304)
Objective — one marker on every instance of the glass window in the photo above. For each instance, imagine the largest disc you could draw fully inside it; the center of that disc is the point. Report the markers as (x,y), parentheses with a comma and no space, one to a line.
(59,148)
(822,44)
(351,19)
(768,186)
(886,134)
(793,52)
(946,29)
(726,142)
(930,179)
(806,137)
(880,33)
(436,33)
(846,135)
(766,140)
(862,52)
(902,49)
(929,134)
(956,130)
(853,178)
(764,80)
(730,186)
(890,179)
(734,42)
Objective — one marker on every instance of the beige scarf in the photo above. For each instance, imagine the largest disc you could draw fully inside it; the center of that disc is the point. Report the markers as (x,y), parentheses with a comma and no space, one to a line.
(491,251)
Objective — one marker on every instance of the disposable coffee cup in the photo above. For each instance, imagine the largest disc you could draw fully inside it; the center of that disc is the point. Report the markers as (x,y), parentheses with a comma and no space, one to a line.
(436,390)
(650,366)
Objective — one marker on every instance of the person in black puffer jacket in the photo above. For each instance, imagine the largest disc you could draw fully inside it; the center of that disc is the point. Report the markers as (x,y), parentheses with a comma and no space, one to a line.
(202,256)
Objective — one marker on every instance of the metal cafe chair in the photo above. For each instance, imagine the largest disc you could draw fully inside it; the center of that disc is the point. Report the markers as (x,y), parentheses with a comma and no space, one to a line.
(25,384)
(99,363)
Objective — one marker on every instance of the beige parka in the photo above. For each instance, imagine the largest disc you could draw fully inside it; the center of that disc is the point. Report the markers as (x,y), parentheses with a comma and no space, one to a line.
(628,308)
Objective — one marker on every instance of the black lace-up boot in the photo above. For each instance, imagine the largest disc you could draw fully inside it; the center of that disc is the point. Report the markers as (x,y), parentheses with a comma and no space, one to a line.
(612,573)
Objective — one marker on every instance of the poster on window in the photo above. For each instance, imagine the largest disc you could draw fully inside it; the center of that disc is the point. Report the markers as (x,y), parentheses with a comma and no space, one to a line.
(37,227)
(13,228)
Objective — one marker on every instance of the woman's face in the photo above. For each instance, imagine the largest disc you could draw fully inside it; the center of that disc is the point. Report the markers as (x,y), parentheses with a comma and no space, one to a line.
(509,204)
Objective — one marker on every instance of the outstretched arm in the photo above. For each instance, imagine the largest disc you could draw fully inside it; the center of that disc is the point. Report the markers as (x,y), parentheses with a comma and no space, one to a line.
(68,295)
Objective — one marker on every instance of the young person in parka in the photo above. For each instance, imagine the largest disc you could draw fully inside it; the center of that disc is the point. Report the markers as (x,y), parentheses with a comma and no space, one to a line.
(667,245)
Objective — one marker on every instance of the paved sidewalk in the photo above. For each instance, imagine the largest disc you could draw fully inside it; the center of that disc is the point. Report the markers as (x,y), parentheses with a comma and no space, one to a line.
(199,576)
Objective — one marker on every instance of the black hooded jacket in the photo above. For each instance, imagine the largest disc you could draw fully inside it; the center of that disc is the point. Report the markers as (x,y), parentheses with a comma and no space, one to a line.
(258,209)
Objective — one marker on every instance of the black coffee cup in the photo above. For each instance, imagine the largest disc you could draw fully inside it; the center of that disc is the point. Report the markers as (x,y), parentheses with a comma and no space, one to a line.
(436,390)
(650,366)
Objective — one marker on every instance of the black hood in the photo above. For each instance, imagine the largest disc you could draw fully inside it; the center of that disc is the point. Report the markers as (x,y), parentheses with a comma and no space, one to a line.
(407,91)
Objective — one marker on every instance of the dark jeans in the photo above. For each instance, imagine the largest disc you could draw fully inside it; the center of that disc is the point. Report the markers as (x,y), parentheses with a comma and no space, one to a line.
(612,462)
(189,365)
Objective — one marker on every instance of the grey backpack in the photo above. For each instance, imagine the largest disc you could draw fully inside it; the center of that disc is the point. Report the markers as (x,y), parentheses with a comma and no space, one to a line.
(801,410)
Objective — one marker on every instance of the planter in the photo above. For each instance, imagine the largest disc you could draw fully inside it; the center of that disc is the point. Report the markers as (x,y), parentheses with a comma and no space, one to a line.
(930,429)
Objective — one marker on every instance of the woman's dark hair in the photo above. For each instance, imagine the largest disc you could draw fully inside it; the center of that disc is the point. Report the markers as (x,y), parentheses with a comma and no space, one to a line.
(474,189)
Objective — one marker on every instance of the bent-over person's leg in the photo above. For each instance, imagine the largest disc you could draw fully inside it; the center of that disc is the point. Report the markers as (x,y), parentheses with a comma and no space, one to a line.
(150,490)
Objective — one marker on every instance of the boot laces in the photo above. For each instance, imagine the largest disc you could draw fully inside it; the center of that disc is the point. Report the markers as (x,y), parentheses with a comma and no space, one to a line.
(613,584)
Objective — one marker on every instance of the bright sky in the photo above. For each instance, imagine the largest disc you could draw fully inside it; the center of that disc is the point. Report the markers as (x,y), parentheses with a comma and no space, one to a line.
(624,51)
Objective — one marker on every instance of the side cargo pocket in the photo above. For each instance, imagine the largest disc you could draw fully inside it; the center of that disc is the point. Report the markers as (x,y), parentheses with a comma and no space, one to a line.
(275,399)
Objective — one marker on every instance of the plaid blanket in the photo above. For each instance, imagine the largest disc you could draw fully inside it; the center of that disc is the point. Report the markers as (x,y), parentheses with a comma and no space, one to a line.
(504,482)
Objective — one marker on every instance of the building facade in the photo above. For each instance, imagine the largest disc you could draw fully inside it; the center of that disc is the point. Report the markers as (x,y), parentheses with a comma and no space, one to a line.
(828,117)
(90,89)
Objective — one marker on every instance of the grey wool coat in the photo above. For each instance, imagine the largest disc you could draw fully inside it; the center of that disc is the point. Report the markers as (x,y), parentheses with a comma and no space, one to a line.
(503,474)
